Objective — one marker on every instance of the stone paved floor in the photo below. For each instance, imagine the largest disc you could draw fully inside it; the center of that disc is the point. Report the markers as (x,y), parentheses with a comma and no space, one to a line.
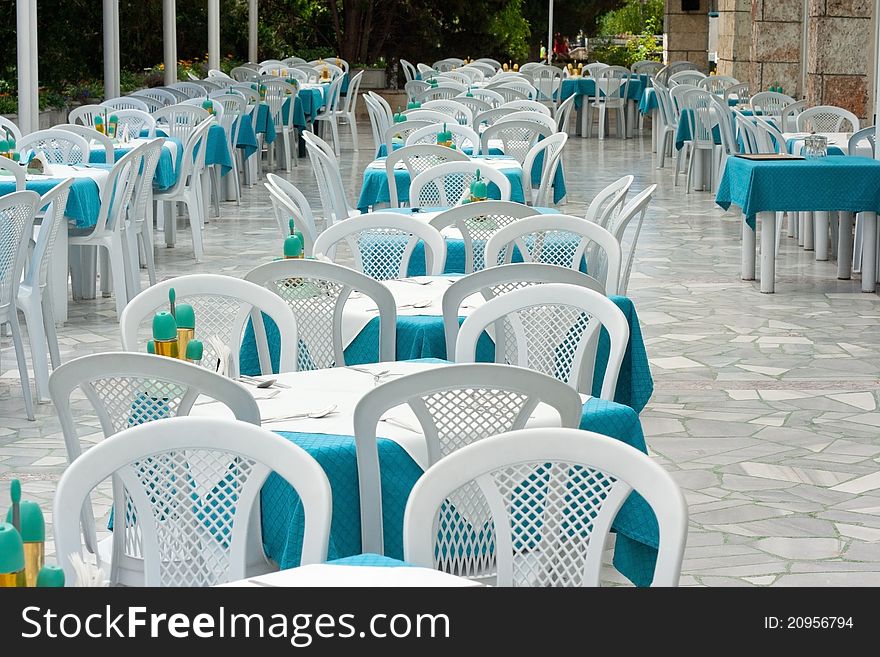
(765,409)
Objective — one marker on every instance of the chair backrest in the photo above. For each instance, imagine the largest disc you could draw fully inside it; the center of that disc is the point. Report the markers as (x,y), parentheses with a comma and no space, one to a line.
(189,89)
(492,116)
(738,91)
(548,154)
(545,500)
(462,136)
(559,239)
(216,106)
(457,112)
(717,84)
(291,61)
(378,121)
(563,111)
(770,103)
(448,89)
(179,121)
(17,211)
(700,117)
(595,68)
(827,118)
(473,75)
(725,126)
(277,94)
(59,146)
(494,281)
(126,102)
(10,129)
(222,305)
(773,137)
(863,140)
(415,87)
(529,115)
(142,196)
(217,74)
(612,84)
(509,93)
(752,141)
(474,104)
(547,80)
(608,202)
(332,95)
(528,105)
(494,63)
(426,115)
(685,77)
(138,122)
(193,484)
(518,137)
(788,117)
(19,173)
(448,184)
(417,158)
(409,70)
(317,293)
(55,203)
(179,96)
(455,406)
(85,114)
(117,190)
(646,67)
(351,95)
(492,97)
(251,95)
(290,203)
(396,133)
(161,96)
(382,244)
(668,118)
(194,148)
(676,95)
(553,328)
(90,135)
(329,178)
(619,227)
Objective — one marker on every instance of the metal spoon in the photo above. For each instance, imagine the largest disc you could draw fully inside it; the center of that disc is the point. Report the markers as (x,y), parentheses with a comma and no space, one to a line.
(315,415)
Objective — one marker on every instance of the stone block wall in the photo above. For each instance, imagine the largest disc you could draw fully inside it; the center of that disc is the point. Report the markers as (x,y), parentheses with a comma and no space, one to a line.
(777,31)
(687,34)
(735,38)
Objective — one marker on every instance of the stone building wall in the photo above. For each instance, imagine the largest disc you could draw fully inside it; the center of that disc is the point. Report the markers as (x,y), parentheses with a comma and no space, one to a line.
(735,38)
(777,33)
(687,34)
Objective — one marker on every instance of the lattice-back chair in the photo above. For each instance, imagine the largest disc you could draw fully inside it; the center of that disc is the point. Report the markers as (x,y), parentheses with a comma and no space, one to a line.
(126,103)
(608,202)
(717,84)
(788,117)
(139,229)
(160,96)
(278,94)
(223,305)
(415,159)
(448,184)
(544,501)
(396,133)
(770,103)
(553,328)
(632,215)
(99,140)
(9,129)
(179,121)
(330,186)
(189,89)
(827,118)
(509,93)
(611,92)
(290,203)
(528,105)
(458,113)
(562,114)
(378,122)
(547,81)
(517,137)
(194,486)
(559,239)
(122,390)
(85,115)
(382,244)
(492,97)
(17,211)
(546,155)
(529,115)
(137,122)
(415,87)
(455,406)
(492,116)
(686,77)
(317,293)
(474,104)
(477,222)
(59,147)
(737,92)
(244,74)
(462,136)
(447,90)
(646,67)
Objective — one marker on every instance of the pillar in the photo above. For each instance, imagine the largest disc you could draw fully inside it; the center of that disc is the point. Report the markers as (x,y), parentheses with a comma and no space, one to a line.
(213,34)
(111,48)
(253,20)
(840,35)
(28,86)
(169,39)
(735,38)
(777,31)
(687,32)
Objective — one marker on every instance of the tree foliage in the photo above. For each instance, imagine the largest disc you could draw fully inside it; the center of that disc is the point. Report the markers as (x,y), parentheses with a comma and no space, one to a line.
(634,17)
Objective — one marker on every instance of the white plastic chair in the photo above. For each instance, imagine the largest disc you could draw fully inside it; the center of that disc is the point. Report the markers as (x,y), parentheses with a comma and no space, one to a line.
(547,81)
(234,112)
(462,136)
(474,104)
(646,67)
(32,299)
(329,179)
(701,120)
(666,124)
(447,90)
(509,93)
(330,111)
(545,500)
(160,96)
(279,92)
(85,114)
(139,227)
(729,144)
(607,204)
(382,244)
(458,113)
(18,172)
(222,306)
(426,115)
(770,103)
(455,406)
(528,105)
(717,84)
(827,118)
(528,115)
(290,203)
(17,211)
(317,293)
(788,117)
(492,97)
(244,74)
(517,138)
(477,222)
(116,194)
(188,187)
(349,107)
(417,158)
(129,389)
(559,239)
(739,92)
(619,225)
(685,76)
(552,328)
(611,92)
(409,71)
(59,147)
(137,121)
(92,137)
(562,114)
(189,89)
(550,150)
(179,121)
(448,184)
(179,475)
(126,102)
(415,87)
(396,133)
(10,129)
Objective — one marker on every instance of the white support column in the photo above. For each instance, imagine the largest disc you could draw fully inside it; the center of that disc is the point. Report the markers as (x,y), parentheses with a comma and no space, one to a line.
(253,21)
(550,34)
(213,34)
(117,65)
(111,49)
(28,93)
(169,39)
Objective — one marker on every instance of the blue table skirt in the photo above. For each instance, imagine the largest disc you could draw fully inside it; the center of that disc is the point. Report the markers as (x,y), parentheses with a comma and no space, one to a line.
(423,336)
(372,560)
(218,148)
(833,183)
(83,203)
(683,131)
(648,100)
(283,517)
(310,101)
(166,170)
(580,87)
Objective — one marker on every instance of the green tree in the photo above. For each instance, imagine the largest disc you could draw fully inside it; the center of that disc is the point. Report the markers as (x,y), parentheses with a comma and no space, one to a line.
(634,17)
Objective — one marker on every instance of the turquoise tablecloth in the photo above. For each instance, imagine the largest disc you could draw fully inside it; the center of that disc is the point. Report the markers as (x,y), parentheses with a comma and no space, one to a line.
(372,560)
(423,336)
(648,100)
(832,183)
(382,151)
(166,169)
(283,518)
(218,148)
(83,203)
(683,131)
(580,87)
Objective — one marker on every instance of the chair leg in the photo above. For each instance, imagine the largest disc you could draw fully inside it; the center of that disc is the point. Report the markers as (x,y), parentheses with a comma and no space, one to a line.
(354,130)
(104,268)
(116,255)
(334,129)
(194,209)
(49,328)
(33,319)
(22,363)
(149,256)
(132,260)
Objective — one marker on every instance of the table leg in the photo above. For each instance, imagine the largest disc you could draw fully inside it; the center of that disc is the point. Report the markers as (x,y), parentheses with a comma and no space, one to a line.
(820,225)
(768,251)
(801,220)
(748,252)
(630,119)
(169,211)
(869,254)
(845,246)
(809,233)
(579,117)
(58,271)
(654,131)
